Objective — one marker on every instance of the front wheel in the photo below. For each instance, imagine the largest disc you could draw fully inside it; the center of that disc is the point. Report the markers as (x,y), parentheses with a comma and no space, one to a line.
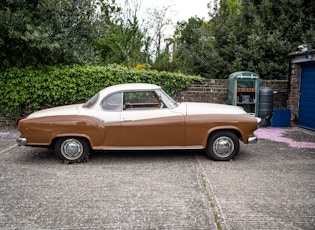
(72,149)
(222,146)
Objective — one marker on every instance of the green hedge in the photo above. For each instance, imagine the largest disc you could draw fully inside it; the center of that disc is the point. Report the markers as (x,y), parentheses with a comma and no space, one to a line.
(24,90)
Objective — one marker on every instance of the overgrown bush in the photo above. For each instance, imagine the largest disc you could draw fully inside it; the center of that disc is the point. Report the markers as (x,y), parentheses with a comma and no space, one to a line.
(24,90)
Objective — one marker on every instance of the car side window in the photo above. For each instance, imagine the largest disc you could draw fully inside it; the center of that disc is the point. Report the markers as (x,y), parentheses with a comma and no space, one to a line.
(142,100)
(113,102)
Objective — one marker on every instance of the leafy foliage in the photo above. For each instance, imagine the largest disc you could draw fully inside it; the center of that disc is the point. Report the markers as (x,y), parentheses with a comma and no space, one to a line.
(196,49)
(48,32)
(246,35)
(260,37)
(253,35)
(122,39)
(27,89)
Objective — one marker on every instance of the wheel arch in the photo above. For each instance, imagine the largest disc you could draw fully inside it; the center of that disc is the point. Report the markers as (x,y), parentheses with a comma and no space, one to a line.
(70,135)
(210,132)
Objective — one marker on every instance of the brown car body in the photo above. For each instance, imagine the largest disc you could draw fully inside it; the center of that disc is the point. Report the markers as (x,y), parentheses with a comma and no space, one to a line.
(177,132)
(138,116)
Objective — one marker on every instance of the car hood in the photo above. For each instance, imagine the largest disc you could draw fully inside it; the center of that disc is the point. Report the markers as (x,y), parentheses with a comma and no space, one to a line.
(61,110)
(211,108)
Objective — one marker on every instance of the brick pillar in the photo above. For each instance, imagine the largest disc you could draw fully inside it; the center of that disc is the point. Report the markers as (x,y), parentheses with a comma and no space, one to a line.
(294,95)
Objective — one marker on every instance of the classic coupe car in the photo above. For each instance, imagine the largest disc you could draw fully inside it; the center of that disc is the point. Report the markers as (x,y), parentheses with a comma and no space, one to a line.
(138,117)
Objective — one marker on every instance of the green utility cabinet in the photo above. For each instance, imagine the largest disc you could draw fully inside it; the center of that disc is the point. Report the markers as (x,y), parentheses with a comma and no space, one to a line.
(244,91)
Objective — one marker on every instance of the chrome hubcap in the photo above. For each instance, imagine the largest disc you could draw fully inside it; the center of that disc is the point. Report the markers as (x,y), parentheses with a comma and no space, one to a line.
(223,147)
(71,149)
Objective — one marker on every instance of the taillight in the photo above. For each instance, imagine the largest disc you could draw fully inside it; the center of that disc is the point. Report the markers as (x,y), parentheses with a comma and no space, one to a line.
(17,121)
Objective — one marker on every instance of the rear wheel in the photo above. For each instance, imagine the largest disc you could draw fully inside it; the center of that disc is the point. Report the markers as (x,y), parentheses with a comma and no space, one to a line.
(222,146)
(72,149)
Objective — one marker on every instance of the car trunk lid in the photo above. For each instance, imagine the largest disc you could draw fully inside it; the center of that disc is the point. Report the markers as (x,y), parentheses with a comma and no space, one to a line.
(61,110)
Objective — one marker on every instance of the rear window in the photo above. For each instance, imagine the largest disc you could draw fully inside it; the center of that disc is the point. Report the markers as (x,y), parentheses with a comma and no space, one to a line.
(90,103)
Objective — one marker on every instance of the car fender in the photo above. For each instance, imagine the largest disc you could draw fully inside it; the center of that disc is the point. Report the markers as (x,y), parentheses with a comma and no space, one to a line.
(221,128)
(43,130)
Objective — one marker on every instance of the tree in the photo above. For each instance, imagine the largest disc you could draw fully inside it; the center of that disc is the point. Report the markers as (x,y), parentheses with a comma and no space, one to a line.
(195,48)
(157,22)
(48,32)
(163,61)
(260,35)
(122,40)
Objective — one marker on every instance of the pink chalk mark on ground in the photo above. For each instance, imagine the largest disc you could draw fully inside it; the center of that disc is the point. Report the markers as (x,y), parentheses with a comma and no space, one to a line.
(277,135)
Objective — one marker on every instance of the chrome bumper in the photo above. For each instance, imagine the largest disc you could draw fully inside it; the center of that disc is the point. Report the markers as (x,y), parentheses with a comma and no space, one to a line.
(252,140)
(21,141)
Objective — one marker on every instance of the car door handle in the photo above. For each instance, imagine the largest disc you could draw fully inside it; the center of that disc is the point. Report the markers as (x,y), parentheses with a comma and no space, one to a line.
(123,119)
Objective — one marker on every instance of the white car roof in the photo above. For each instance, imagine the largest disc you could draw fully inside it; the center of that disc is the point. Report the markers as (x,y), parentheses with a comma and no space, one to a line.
(128,87)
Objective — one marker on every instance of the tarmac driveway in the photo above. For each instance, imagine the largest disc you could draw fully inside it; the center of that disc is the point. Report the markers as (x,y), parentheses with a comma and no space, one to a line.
(270,185)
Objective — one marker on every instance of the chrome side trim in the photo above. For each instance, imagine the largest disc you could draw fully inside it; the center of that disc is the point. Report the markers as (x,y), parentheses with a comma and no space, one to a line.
(21,141)
(252,140)
(152,148)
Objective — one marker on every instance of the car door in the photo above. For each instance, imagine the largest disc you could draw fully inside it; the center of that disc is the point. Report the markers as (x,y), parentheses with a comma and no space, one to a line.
(109,112)
(147,123)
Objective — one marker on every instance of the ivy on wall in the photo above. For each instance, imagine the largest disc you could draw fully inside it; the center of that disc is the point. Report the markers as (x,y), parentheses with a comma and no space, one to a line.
(24,90)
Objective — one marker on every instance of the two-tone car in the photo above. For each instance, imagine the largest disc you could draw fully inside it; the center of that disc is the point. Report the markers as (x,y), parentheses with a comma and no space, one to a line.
(138,117)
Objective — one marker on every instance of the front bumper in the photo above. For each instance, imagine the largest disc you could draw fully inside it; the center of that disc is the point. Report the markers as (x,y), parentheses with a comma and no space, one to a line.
(21,141)
(252,140)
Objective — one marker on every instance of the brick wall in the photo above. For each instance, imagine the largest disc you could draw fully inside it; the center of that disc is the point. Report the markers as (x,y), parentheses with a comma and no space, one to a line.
(280,92)
(210,90)
(5,121)
(216,91)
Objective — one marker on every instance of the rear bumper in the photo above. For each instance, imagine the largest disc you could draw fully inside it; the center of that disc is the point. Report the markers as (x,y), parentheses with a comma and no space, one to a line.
(21,141)
(252,140)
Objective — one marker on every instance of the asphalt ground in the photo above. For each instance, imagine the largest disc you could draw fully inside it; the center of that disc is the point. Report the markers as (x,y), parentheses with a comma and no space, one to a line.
(269,185)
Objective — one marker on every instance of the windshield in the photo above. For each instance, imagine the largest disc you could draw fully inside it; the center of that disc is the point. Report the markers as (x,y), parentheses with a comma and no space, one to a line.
(90,103)
(167,100)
